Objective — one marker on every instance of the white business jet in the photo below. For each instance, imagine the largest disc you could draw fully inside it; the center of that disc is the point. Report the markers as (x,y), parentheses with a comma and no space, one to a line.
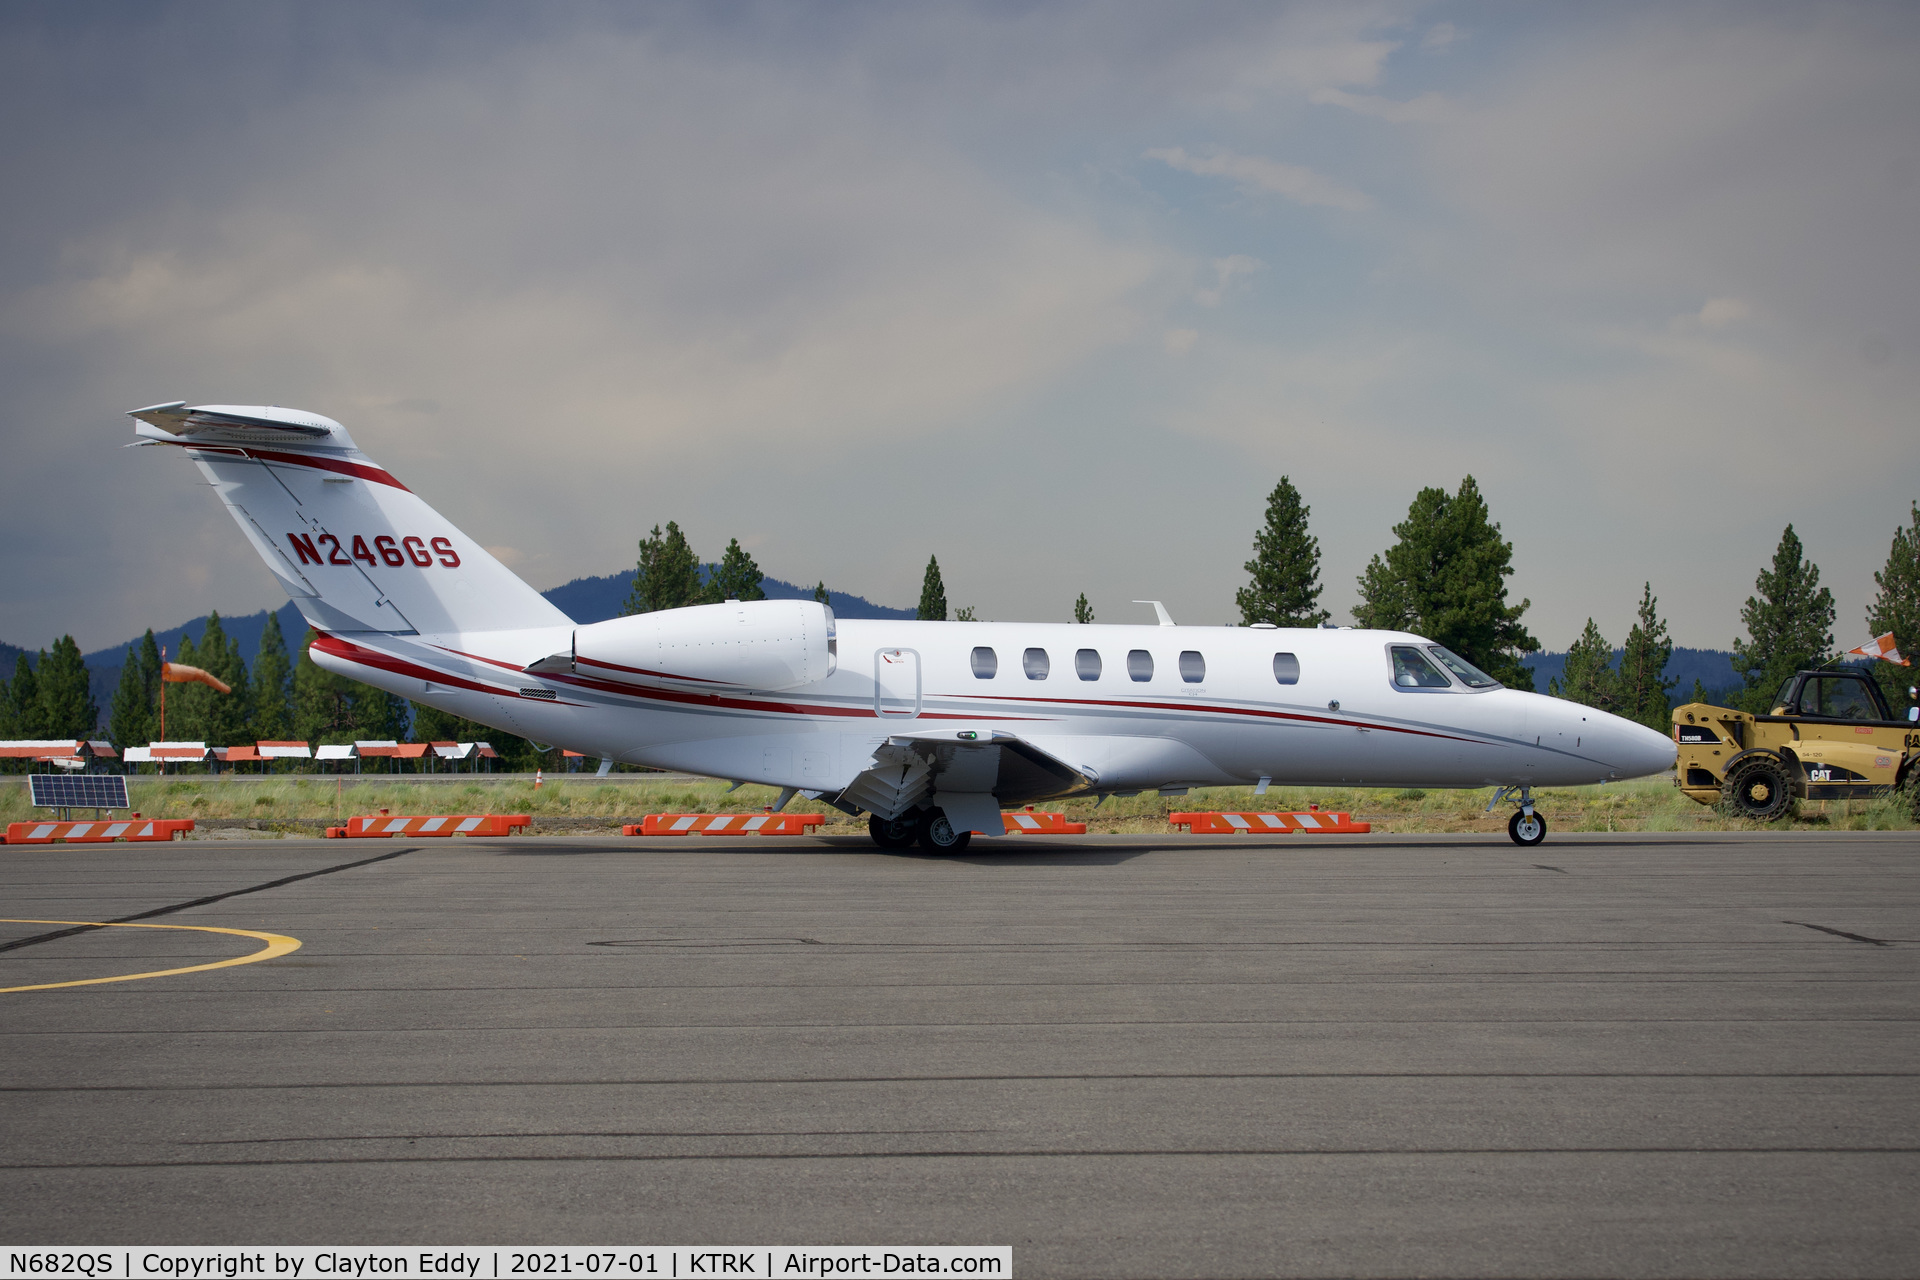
(931,728)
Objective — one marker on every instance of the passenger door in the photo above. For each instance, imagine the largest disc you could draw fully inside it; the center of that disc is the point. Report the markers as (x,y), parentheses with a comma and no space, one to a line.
(896,683)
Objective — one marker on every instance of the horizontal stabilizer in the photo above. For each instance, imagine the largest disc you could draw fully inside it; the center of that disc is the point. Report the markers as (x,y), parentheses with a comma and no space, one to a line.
(262,422)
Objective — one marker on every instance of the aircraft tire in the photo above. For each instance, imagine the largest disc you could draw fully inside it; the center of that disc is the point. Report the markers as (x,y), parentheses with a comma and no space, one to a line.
(938,836)
(1527,829)
(1757,790)
(893,833)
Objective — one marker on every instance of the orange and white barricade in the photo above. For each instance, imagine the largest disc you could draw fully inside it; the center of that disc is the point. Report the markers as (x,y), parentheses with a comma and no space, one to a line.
(382,826)
(725,824)
(97,832)
(1267,823)
(1025,822)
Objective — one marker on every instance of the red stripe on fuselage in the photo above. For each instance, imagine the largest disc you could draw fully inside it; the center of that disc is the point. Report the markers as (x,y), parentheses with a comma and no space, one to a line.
(693,698)
(399,666)
(352,652)
(640,671)
(1230,711)
(492,662)
(373,658)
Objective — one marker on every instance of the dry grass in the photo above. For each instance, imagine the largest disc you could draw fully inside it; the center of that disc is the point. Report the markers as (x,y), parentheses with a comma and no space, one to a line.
(1646,805)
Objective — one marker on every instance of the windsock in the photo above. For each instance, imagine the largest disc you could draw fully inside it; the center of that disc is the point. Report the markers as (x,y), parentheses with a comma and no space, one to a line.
(1882,647)
(175,673)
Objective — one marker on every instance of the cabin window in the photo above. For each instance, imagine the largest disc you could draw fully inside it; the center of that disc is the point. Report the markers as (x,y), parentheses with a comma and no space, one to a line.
(1411,670)
(985,664)
(1193,667)
(1034,663)
(1286,668)
(1463,671)
(1783,700)
(1838,698)
(1140,664)
(1086,664)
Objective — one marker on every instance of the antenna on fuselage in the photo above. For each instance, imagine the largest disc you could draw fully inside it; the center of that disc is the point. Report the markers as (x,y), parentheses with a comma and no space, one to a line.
(1160,610)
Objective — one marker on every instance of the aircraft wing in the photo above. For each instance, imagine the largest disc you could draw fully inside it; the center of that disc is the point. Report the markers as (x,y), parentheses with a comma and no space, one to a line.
(910,769)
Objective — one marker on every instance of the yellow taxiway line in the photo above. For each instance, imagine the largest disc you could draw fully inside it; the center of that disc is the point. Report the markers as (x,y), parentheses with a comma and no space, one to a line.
(278,944)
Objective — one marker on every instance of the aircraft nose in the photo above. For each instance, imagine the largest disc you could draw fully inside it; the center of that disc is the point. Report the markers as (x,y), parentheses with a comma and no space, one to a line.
(1636,751)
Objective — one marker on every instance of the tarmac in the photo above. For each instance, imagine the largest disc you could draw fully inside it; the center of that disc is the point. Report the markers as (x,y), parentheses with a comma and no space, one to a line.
(1609,1055)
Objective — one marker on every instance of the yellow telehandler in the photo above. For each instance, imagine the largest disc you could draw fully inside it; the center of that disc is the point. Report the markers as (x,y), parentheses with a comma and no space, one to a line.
(1829,736)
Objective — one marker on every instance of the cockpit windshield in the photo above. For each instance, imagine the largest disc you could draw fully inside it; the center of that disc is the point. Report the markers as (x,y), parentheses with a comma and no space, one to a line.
(1463,671)
(1413,671)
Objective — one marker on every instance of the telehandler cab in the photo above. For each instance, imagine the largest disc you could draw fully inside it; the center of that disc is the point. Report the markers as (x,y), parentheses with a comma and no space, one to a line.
(1830,736)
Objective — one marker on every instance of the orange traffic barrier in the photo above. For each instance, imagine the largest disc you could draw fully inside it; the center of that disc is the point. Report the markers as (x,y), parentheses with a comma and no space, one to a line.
(725,824)
(1238,823)
(96,832)
(1025,822)
(380,826)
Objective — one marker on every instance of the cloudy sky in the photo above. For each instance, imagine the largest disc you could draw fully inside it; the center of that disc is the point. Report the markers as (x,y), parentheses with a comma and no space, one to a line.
(1054,291)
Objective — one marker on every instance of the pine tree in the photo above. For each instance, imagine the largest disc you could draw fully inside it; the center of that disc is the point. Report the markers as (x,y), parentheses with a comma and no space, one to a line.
(1589,677)
(377,715)
(272,674)
(1446,579)
(9,719)
(431,724)
(1082,611)
(1896,608)
(668,573)
(1789,624)
(1285,568)
(322,701)
(1700,693)
(130,718)
(67,708)
(25,697)
(820,593)
(202,713)
(329,708)
(1644,690)
(933,594)
(184,715)
(736,577)
(150,676)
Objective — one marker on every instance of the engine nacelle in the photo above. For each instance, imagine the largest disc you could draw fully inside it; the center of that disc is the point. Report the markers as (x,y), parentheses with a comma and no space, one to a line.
(752,644)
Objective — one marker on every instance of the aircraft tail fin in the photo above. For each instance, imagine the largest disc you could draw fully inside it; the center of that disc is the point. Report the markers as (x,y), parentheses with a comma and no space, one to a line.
(354,548)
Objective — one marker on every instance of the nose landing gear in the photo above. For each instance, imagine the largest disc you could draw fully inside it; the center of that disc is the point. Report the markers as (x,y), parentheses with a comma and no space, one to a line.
(1527,827)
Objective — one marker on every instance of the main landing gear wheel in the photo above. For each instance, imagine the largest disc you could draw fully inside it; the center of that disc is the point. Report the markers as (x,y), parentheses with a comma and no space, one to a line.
(1757,789)
(893,833)
(1527,828)
(938,836)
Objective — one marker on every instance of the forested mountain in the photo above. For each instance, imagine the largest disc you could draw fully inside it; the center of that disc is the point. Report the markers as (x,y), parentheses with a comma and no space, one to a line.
(1712,667)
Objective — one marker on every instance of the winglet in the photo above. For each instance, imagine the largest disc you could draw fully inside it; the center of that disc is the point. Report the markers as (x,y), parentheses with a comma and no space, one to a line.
(1160,610)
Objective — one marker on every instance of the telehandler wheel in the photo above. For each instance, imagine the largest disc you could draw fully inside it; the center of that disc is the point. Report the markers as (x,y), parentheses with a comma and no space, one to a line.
(1527,828)
(893,833)
(937,834)
(1758,790)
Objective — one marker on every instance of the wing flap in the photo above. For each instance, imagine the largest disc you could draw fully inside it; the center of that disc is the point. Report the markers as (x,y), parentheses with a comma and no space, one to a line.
(911,768)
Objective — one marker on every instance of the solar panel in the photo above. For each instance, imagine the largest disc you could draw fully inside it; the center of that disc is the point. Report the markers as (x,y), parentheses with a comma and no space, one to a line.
(78,790)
